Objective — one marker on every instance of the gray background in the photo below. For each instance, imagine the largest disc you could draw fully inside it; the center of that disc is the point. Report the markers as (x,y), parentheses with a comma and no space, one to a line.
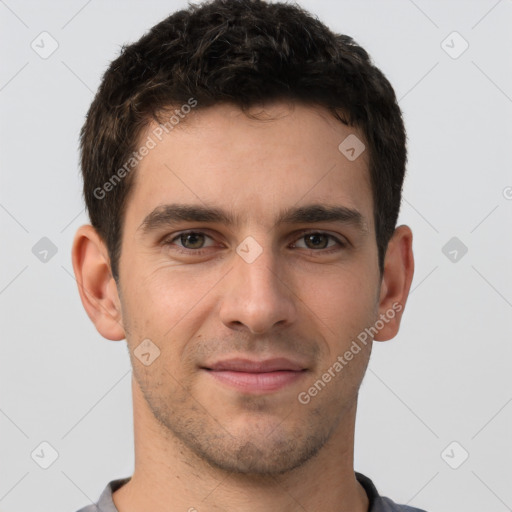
(446,376)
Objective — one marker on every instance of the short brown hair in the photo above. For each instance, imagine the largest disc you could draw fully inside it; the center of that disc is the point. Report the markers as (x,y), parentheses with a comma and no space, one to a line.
(244,52)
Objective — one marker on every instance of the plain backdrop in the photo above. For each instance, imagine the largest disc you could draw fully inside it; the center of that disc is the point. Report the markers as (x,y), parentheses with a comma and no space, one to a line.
(435,410)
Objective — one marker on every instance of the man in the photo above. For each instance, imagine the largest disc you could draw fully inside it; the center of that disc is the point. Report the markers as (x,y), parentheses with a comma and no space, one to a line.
(243,168)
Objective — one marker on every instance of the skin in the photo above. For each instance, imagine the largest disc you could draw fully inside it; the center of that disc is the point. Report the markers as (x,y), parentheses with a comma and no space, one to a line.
(200,444)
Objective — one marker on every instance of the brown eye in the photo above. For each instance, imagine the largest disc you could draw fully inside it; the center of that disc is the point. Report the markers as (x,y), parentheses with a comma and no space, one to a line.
(322,242)
(316,240)
(190,243)
(192,240)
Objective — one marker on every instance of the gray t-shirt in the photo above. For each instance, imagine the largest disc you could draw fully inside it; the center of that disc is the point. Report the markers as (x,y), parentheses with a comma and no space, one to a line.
(377,502)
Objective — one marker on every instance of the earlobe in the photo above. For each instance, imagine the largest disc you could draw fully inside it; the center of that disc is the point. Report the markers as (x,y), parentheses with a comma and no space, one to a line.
(396,282)
(96,286)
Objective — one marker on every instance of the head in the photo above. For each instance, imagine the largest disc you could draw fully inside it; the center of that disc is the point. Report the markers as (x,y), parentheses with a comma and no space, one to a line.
(228,121)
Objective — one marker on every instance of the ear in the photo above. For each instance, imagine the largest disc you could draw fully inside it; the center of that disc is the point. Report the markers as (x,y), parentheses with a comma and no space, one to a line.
(97,287)
(396,282)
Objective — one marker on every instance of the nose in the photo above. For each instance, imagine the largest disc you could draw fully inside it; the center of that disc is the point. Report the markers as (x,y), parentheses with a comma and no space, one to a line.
(258,295)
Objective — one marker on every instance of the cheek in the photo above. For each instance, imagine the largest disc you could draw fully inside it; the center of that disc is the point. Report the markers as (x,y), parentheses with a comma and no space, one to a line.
(165,305)
(159,294)
(344,300)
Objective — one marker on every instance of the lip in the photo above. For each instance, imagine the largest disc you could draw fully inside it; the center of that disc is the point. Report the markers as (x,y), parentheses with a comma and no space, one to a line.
(256,376)
(249,366)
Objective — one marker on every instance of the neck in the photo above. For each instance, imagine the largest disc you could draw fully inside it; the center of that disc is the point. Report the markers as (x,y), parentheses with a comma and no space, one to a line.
(170,477)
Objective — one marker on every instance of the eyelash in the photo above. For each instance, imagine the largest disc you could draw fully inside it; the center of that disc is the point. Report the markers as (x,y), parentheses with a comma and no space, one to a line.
(302,234)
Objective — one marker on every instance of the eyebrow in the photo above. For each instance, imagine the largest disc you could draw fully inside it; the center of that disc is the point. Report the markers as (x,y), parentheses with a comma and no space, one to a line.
(171,214)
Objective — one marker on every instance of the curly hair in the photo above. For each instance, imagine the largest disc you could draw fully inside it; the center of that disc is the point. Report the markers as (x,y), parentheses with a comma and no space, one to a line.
(244,52)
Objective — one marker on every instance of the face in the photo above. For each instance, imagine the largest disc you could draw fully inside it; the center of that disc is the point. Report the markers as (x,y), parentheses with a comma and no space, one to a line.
(249,261)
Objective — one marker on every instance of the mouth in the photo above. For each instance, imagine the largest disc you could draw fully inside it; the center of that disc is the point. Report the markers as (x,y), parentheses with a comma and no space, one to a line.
(256,376)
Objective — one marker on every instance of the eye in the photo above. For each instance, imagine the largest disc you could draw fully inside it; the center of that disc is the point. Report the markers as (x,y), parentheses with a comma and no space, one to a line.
(319,240)
(189,240)
(194,242)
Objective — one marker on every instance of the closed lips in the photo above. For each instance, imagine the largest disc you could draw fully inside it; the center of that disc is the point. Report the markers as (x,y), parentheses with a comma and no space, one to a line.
(248,366)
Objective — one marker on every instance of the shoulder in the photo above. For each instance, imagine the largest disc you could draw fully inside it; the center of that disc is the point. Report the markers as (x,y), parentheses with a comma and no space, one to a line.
(380,503)
(105,502)
(387,505)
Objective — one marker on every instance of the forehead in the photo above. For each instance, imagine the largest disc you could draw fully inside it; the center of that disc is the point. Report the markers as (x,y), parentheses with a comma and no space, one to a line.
(255,168)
